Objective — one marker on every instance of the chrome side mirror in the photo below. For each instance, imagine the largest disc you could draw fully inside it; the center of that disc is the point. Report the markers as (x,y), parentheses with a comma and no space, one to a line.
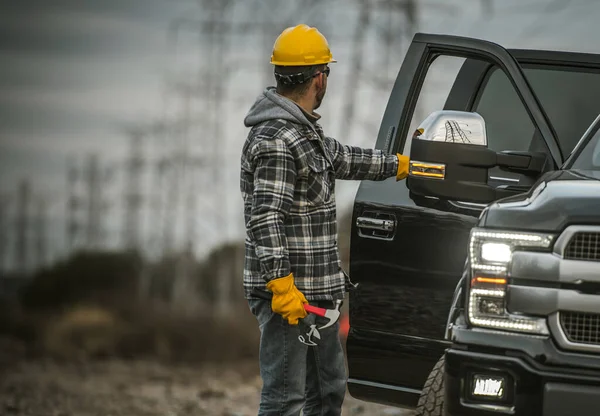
(449,160)
(453,127)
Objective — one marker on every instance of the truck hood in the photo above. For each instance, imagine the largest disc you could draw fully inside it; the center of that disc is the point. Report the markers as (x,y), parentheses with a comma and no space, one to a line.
(557,200)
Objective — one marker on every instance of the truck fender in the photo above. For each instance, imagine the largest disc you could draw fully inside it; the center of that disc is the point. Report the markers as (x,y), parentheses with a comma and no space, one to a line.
(457,301)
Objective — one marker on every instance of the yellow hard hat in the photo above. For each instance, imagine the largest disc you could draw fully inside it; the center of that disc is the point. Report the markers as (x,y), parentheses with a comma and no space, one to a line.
(301,45)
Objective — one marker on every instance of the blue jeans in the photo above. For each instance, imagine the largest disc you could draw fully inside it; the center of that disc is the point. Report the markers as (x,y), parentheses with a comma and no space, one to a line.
(296,376)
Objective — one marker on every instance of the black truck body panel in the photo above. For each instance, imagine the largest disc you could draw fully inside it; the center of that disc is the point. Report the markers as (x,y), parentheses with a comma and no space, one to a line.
(553,209)
(407,276)
(529,380)
(393,312)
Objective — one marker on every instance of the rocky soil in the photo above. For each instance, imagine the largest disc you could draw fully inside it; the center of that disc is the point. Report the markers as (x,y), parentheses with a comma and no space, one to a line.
(139,388)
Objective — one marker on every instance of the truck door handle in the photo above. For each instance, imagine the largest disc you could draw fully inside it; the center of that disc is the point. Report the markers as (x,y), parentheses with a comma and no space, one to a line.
(378,224)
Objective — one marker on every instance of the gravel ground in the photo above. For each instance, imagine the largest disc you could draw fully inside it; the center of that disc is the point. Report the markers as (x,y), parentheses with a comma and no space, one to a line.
(140,388)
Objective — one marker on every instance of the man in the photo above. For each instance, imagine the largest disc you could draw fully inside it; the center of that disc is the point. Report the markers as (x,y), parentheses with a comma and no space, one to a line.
(288,173)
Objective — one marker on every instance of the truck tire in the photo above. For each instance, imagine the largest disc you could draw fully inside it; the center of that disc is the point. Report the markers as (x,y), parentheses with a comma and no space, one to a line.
(431,402)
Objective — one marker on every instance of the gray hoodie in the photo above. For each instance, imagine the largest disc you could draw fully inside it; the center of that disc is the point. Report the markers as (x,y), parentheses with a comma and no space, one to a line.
(270,105)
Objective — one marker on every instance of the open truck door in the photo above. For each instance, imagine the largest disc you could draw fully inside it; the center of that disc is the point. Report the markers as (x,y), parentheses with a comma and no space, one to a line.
(408,250)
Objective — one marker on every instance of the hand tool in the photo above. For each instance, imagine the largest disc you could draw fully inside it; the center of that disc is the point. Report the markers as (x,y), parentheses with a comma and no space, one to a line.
(331,314)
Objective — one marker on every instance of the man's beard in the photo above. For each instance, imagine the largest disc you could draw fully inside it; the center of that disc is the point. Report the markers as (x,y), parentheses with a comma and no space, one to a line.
(319,98)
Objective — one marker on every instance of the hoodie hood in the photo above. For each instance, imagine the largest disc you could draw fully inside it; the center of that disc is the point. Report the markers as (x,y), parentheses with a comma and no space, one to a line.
(270,106)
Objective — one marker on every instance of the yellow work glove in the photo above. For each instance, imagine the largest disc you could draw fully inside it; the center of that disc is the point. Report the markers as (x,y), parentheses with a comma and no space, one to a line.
(402,166)
(287,300)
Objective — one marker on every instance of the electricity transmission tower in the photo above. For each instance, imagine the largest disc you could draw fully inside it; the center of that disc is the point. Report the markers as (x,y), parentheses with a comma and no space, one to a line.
(74,204)
(357,60)
(454,133)
(86,207)
(191,171)
(133,196)
(392,37)
(4,205)
(23,227)
(96,180)
(41,224)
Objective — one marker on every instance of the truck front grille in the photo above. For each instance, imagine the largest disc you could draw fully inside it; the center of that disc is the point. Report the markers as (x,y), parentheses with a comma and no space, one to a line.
(584,246)
(581,328)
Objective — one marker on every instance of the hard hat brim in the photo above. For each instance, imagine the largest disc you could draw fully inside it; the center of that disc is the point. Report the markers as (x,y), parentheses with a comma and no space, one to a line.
(303,63)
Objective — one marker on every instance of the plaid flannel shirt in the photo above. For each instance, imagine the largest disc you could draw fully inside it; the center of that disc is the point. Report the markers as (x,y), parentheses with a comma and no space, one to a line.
(288,174)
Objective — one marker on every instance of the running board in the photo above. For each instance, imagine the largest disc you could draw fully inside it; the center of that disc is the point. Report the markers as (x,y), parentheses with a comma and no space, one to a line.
(384,393)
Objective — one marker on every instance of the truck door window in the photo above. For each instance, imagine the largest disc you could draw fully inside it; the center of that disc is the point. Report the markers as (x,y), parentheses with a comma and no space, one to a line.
(439,79)
(569,96)
(507,122)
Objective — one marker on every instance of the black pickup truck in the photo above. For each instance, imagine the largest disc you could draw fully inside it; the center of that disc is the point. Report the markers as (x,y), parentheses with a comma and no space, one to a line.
(479,276)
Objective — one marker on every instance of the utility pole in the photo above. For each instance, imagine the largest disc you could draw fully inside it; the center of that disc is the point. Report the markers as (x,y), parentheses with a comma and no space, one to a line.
(354,75)
(266,31)
(40,233)
(176,167)
(22,226)
(107,173)
(185,162)
(73,225)
(394,35)
(133,196)
(218,143)
(184,165)
(94,202)
(211,77)
(4,201)
(171,205)
(159,244)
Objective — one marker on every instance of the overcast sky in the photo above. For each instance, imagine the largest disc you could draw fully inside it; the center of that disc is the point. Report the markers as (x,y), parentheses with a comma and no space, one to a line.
(74,72)
(71,72)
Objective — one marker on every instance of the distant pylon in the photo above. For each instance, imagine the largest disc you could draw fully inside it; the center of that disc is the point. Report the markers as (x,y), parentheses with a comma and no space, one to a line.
(94,202)
(454,133)
(41,233)
(73,226)
(4,201)
(22,226)
(354,76)
(133,196)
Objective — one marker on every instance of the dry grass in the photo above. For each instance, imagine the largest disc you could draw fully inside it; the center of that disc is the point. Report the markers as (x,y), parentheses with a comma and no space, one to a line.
(89,331)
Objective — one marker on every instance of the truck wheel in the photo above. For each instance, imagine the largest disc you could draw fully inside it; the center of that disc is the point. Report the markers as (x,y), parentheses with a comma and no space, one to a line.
(431,402)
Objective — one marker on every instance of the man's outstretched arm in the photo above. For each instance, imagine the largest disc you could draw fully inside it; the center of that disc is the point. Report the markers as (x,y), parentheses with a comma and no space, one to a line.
(357,163)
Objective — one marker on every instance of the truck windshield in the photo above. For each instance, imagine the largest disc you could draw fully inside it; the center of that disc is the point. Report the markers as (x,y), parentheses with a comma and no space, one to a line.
(589,157)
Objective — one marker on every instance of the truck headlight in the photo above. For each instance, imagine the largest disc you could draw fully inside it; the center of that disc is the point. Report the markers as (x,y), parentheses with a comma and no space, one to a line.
(490,253)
